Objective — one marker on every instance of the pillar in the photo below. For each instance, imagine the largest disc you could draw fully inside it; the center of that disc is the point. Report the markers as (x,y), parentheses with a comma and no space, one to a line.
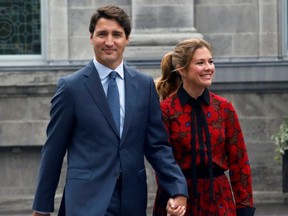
(158,25)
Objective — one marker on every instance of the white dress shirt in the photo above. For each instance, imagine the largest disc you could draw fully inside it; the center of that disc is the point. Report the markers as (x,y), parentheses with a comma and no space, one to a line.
(104,77)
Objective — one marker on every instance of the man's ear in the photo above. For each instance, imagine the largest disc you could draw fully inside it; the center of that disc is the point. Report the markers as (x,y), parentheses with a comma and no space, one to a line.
(91,37)
(127,40)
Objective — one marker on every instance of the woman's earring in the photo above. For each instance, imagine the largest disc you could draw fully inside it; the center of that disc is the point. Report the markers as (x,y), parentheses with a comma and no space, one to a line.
(183,77)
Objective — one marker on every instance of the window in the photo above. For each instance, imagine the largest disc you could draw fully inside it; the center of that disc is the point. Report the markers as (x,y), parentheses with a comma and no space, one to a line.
(285,27)
(20,28)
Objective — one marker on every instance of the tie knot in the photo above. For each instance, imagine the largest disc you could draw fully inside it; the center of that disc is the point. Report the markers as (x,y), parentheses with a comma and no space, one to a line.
(113,74)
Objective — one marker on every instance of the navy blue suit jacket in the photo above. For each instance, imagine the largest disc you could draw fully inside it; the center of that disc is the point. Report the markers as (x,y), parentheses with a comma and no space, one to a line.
(82,125)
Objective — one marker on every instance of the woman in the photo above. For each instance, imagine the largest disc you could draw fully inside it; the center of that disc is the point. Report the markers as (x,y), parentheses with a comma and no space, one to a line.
(205,134)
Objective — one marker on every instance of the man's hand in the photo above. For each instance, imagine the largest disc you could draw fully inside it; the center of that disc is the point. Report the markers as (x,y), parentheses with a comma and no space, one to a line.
(176,206)
(39,214)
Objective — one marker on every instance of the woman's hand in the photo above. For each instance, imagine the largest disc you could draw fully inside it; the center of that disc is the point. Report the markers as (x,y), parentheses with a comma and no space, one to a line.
(176,206)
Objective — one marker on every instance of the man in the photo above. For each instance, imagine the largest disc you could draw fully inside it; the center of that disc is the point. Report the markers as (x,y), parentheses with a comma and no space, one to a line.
(106,173)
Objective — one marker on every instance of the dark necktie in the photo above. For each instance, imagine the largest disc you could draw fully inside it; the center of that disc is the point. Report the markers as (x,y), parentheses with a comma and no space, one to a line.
(113,98)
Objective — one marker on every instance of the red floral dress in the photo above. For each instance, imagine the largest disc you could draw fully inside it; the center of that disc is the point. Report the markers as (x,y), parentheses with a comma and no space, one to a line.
(207,140)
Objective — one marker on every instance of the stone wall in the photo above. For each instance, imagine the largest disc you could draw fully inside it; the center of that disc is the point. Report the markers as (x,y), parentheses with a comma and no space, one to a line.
(237,29)
(25,103)
(241,29)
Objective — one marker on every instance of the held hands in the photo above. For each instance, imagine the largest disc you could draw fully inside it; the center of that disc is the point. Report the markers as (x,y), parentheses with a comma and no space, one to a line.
(176,206)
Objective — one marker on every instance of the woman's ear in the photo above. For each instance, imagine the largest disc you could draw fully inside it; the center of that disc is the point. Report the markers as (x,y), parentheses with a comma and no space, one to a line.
(180,71)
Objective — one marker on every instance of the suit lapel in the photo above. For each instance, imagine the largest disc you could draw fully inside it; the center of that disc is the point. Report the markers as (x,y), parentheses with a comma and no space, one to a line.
(94,86)
(130,98)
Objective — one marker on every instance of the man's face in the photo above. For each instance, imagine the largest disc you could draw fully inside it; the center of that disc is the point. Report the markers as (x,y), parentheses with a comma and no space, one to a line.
(109,42)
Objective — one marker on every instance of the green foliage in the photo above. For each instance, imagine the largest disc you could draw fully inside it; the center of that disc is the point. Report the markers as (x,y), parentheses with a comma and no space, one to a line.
(280,139)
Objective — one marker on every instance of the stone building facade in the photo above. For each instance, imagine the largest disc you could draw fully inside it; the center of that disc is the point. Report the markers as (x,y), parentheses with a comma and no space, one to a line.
(251,58)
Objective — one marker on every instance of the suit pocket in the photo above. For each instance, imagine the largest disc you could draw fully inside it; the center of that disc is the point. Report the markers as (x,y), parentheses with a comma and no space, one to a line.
(79,174)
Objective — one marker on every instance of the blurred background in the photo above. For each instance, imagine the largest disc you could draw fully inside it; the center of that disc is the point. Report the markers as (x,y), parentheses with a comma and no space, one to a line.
(41,40)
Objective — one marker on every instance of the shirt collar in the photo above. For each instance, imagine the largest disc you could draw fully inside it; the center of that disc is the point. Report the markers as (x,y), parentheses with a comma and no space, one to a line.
(184,97)
(105,71)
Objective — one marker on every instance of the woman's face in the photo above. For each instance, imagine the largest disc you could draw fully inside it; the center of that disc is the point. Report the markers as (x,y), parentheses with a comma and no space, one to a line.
(200,71)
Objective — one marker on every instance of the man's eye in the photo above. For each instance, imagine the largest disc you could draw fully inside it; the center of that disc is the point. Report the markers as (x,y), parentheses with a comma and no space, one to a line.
(117,35)
(101,34)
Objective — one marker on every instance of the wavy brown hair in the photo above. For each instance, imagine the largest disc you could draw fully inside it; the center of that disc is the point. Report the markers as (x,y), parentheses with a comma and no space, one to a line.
(172,62)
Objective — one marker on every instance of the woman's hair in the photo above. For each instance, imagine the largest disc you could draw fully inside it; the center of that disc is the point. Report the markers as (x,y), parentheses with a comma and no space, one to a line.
(172,62)
(111,12)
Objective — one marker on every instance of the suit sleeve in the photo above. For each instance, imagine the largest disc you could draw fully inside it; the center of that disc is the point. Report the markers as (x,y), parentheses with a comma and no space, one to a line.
(54,149)
(159,152)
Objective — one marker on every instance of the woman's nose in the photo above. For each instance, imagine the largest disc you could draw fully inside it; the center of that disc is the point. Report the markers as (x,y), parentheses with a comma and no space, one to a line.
(208,66)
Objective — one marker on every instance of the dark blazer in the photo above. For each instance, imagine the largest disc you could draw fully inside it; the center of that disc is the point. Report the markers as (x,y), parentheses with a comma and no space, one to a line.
(82,124)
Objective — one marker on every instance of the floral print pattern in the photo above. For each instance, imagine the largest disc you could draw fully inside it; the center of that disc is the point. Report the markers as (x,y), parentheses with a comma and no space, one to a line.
(228,153)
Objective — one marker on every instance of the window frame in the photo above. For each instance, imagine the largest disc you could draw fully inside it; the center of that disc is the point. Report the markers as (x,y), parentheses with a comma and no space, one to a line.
(284,28)
(29,59)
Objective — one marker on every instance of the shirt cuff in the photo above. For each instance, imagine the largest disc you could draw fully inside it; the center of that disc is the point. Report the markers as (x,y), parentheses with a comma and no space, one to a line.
(40,212)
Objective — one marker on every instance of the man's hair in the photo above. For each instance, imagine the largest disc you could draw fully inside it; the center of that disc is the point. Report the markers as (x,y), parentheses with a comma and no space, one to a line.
(111,12)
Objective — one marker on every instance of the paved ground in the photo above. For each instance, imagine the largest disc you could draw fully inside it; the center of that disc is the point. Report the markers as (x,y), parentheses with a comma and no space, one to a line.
(22,207)
(272,209)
